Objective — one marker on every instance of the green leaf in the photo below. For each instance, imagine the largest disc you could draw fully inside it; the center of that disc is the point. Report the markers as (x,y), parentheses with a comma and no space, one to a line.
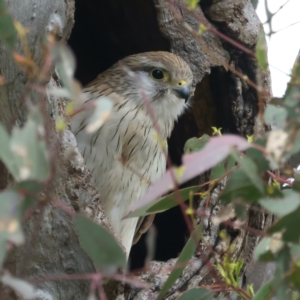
(265,292)
(267,247)
(183,259)
(220,169)
(103,107)
(100,245)
(10,228)
(288,224)
(294,277)
(295,252)
(239,186)
(163,203)
(8,33)
(258,157)
(199,294)
(194,164)
(65,65)
(195,144)
(244,182)
(291,97)
(22,287)
(280,283)
(250,169)
(275,116)
(30,190)
(261,50)
(30,154)
(282,207)
(24,153)
(6,154)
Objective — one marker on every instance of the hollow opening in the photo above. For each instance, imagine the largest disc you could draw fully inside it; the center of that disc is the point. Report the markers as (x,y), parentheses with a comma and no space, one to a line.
(106,31)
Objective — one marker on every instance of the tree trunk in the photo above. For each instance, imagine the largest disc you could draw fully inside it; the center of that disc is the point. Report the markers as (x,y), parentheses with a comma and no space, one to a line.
(104,32)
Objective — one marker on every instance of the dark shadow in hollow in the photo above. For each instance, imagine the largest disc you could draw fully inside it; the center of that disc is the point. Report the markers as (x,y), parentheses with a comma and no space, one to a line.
(106,31)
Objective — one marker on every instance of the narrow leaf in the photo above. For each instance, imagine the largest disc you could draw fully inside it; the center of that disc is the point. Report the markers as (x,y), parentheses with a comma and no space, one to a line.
(164,203)
(220,169)
(65,64)
(29,151)
(8,33)
(265,292)
(5,153)
(287,225)
(275,116)
(100,245)
(10,228)
(199,294)
(216,150)
(102,111)
(261,50)
(22,287)
(183,259)
(282,207)
(238,186)
(196,144)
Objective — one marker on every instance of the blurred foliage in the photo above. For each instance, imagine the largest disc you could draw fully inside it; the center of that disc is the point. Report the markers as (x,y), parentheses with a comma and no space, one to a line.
(8,32)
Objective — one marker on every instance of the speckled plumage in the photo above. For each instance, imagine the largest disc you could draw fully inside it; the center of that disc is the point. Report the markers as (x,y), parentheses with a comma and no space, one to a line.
(125,149)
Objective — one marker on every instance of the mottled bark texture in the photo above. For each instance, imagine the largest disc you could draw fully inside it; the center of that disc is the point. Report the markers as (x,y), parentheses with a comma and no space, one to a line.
(52,247)
(104,32)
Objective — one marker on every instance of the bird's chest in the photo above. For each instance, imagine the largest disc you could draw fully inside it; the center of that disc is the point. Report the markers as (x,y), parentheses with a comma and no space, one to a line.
(143,153)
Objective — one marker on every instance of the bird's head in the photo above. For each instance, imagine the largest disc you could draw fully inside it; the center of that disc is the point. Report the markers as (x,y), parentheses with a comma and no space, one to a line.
(161,78)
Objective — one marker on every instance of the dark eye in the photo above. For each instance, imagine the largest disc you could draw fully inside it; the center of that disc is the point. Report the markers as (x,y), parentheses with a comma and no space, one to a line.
(159,75)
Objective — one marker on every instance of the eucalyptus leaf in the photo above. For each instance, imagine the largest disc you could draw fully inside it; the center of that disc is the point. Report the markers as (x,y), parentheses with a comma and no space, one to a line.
(10,227)
(275,115)
(23,288)
(182,261)
(6,154)
(8,33)
(29,152)
(258,156)
(30,190)
(282,207)
(100,245)
(240,187)
(265,292)
(65,65)
(220,169)
(199,294)
(164,203)
(196,144)
(287,225)
(266,248)
(103,107)
(194,164)
(261,50)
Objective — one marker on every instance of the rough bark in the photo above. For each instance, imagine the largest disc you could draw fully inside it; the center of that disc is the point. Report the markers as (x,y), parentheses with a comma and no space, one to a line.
(221,99)
(52,246)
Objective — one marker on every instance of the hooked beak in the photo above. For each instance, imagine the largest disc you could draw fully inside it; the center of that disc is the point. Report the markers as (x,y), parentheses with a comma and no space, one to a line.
(182,92)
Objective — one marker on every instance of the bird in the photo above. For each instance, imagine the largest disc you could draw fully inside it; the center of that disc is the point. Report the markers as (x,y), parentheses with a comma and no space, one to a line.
(127,153)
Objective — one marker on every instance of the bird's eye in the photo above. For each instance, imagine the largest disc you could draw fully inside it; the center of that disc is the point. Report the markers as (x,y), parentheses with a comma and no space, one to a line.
(159,75)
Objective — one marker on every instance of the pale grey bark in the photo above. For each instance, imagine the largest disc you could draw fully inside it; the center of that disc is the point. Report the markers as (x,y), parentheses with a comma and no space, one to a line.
(52,246)
(56,248)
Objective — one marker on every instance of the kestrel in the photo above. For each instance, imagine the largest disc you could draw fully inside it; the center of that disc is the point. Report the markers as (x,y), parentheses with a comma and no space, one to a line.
(127,153)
